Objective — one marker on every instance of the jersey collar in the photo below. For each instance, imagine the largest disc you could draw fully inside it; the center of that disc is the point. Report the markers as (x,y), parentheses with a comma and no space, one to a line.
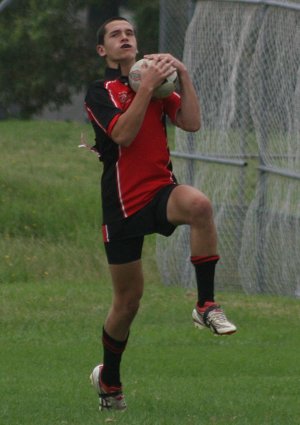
(114,74)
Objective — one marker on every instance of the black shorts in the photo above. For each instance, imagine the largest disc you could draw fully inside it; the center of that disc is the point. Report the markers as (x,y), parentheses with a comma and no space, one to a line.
(124,239)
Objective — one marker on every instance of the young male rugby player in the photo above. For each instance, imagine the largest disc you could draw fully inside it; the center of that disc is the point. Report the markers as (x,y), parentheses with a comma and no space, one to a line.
(140,194)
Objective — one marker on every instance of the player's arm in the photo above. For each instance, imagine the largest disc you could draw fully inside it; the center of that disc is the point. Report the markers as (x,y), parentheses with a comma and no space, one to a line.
(129,123)
(188,116)
(121,127)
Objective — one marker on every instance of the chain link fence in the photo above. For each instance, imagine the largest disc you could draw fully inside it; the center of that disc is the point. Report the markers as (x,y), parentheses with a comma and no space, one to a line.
(244,59)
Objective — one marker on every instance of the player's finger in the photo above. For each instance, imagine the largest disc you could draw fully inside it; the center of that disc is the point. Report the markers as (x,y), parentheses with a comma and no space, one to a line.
(160,56)
(166,66)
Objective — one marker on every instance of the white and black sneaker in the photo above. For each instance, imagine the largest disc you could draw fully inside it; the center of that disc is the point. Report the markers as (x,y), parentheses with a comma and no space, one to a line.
(110,398)
(213,317)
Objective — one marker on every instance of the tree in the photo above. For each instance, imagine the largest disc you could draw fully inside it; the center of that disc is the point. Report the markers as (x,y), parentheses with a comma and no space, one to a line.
(43,54)
(47,50)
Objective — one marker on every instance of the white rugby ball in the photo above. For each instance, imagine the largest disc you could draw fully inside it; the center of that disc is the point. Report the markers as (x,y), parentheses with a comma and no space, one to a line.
(164,90)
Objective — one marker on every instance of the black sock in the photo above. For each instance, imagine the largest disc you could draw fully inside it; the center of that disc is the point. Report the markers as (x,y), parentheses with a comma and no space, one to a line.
(205,276)
(112,353)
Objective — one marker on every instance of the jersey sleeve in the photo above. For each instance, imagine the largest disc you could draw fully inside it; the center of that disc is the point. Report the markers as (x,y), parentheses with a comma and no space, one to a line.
(100,107)
(171,105)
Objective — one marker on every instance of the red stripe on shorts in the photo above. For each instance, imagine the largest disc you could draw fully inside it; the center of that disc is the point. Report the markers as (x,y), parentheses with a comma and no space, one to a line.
(105,233)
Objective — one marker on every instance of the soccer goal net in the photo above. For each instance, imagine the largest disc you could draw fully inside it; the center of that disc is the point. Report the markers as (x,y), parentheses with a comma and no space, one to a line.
(244,60)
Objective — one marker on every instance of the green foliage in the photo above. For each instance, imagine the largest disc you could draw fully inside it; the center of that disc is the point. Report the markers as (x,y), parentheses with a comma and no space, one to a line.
(44,54)
(47,50)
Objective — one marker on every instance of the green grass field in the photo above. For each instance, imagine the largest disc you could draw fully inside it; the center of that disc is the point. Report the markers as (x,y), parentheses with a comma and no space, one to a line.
(54,295)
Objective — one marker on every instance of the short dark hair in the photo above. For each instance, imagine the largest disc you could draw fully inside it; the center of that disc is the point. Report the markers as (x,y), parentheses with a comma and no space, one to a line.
(102,29)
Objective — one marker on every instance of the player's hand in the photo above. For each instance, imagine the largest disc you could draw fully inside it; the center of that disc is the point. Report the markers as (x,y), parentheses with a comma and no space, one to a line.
(167,58)
(155,71)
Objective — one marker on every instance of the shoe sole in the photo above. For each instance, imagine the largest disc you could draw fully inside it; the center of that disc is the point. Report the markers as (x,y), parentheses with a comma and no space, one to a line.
(201,327)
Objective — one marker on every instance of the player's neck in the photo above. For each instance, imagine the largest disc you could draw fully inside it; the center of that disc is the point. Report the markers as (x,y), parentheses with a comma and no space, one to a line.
(125,68)
(125,65)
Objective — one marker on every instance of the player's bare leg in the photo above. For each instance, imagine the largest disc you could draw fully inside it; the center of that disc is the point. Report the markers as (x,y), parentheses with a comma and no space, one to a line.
(187,205)
(128,286)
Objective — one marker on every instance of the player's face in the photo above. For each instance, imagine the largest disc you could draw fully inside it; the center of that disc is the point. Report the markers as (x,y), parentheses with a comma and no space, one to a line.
(119,43)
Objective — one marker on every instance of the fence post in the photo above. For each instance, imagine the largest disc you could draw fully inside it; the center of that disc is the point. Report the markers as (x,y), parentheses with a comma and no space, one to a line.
(262,189)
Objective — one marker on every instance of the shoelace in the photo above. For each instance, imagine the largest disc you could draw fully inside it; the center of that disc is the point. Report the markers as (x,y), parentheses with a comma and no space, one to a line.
(217,316)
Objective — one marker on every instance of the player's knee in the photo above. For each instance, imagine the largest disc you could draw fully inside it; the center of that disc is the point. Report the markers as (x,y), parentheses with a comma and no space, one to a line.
(201,210)
(130,308)
(129,305)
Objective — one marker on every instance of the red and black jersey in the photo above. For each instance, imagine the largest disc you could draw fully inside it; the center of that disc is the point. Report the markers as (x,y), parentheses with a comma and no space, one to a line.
(131,175)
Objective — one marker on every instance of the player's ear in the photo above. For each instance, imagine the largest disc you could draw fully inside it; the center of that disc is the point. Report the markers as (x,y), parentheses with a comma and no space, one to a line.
(101,50)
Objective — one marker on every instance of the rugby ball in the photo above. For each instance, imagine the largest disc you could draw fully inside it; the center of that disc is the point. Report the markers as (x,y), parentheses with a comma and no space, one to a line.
(164,90)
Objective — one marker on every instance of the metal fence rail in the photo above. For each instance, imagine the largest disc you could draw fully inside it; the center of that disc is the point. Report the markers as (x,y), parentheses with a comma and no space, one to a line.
(275,3)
